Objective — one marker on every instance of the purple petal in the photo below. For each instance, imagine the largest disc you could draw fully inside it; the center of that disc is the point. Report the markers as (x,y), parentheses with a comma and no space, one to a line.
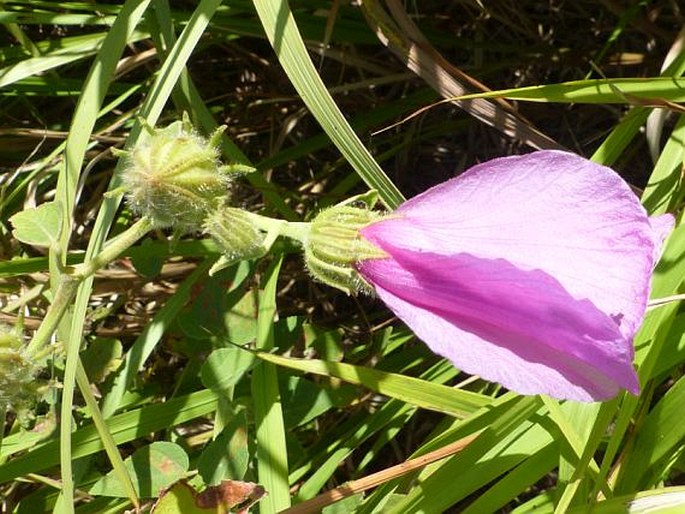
(577,221)
(532,271)
(661,228)
(519,328)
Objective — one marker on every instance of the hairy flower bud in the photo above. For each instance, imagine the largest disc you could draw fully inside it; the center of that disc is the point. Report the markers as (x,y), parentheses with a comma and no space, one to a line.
(235,234)
(175,177)
(334,246)
(18,385)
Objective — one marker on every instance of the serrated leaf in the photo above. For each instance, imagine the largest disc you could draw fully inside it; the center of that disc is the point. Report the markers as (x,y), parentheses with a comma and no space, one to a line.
(40,226)
(152,468)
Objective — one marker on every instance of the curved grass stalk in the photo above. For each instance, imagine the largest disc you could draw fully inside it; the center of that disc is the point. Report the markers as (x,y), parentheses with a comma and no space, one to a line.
(282,31)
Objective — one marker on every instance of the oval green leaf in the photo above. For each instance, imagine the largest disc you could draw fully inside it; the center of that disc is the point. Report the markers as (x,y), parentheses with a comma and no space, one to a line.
(152,469)
(40,226)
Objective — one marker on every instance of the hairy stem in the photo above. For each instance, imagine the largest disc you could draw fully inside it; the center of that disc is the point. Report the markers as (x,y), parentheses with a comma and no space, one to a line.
(291,229)
(69,282)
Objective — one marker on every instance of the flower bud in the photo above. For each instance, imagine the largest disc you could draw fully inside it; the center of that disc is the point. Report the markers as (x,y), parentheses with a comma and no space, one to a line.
(235,234)
(18,386)
(175,177)
(334,246)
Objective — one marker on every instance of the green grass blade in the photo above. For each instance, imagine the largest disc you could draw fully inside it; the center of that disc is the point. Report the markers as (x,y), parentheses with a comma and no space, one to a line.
(389,418)
(517,481)
(620,137)
(660,195)
(282,31)
(421,393)
(108,442)
(503,446)
(658,443)
(147,341)
(616,142)
(272,462)
(46,18)
(125,427)
(666,500)
(633,91)
(72,49)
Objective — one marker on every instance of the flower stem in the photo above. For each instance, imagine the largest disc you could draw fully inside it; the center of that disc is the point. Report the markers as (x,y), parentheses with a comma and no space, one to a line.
(113,249)
(70,281)
(293,229)
(66,290)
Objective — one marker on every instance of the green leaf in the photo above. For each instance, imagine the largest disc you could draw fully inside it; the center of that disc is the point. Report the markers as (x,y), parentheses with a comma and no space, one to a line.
(284,35)
(146,262)
(303,400)
(227,456)
(102,357)
(225,367)
(177,500)
(272,457)
(223,308)
(152,468)
(421,393)
(39,226)
(658,442)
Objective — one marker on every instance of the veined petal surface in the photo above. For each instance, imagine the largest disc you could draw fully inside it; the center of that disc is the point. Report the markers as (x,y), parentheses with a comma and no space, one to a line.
(516,327)
(551,211)
(532,271)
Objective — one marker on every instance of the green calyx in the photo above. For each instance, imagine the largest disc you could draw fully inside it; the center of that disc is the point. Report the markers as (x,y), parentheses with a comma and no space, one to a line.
(334,245)
(175,177)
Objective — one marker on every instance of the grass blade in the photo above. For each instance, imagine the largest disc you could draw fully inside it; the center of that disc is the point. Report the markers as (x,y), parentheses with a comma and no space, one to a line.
(272,462)
(282,31)
(421,393)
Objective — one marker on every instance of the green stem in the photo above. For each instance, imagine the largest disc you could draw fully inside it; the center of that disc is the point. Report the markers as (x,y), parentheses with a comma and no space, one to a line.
(293,229)
(105,435)
(115,248)
(69,283)
(66,290)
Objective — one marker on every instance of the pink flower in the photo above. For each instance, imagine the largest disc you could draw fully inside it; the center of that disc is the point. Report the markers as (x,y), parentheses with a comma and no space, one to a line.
(532,271)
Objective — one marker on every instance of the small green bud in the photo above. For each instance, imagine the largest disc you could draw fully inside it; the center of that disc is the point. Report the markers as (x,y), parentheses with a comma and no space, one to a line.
(235,233)
(175,177)
(334,246)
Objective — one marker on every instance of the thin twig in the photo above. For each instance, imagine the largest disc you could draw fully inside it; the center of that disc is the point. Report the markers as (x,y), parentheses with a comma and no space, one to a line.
(357,486)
